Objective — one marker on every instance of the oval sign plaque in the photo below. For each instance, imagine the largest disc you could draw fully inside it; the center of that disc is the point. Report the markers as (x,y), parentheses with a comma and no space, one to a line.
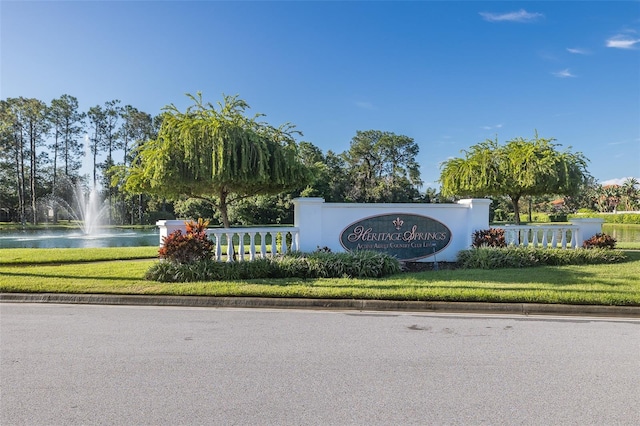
(405,236)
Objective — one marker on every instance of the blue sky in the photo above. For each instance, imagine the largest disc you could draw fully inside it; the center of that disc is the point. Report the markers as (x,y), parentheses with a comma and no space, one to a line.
(448,74)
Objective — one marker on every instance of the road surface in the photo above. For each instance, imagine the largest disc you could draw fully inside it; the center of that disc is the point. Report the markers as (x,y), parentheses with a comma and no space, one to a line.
(126,365)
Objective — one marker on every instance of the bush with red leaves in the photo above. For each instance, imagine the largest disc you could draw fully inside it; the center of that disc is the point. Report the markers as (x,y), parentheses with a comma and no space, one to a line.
(492,237)
(600,241)
(192,246)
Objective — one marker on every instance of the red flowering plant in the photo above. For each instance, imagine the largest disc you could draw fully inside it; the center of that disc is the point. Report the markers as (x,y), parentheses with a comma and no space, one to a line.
(192,246)
(492,237)
(600,241)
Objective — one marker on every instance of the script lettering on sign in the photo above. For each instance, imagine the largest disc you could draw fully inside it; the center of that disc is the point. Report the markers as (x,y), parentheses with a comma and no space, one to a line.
(405,236)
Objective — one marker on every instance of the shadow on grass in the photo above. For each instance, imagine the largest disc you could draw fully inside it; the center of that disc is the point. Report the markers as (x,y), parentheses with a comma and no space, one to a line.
(540,275)
(69,277)
(555,275)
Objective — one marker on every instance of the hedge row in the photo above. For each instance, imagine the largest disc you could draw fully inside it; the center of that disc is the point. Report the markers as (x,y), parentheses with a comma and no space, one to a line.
(366,264)
(361,264)
(628,218)
(523,257)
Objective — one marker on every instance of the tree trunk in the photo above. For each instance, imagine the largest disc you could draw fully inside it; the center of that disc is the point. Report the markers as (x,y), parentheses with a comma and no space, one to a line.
(54,180)
(32,173)
(20,177)
(95,165)
(109,189)
(515,199)
(65,151)
(223,209)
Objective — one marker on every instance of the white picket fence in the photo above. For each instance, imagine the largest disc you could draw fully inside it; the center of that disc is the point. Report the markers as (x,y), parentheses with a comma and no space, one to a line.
(546,236)
(280,240)
(240,244)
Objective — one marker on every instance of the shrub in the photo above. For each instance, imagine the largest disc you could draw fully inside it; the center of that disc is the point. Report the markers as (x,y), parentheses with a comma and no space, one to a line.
(631,219)
(499,215)
(492,237)
(628,218)
(522,257)
(192,246)
(361,264)
(602,241)
(558,217)
(541,218)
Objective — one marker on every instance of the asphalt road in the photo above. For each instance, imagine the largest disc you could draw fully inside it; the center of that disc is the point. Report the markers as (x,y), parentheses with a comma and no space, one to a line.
(128,365)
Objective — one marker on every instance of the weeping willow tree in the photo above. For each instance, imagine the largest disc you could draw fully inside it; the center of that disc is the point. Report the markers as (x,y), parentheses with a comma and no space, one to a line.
(218,155)
(519,168)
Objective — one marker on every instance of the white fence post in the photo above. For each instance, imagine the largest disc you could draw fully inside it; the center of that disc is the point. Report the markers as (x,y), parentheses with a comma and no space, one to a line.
(588,227)
(477,216)
(169,226)
(308,219)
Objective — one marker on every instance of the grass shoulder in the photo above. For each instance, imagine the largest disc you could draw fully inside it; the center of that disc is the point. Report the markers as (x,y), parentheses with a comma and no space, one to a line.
(598,284)
(39,256)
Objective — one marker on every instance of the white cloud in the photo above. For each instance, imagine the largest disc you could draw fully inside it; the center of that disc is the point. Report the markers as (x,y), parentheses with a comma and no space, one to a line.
(624,141)
(565,73)
(364,105)
(519,16)
(497,126)
(622,41)
(616,181)
(578,51)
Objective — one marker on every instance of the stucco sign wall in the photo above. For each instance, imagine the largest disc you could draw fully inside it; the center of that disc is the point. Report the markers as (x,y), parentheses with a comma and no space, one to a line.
(405,236)
(416,232)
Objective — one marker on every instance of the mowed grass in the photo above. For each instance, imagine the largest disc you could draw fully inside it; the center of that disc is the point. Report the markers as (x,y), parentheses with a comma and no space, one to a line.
(98,271)
(31,256)
(628,245)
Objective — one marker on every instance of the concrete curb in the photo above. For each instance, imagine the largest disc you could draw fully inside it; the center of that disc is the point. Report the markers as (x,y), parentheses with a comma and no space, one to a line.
(346,304)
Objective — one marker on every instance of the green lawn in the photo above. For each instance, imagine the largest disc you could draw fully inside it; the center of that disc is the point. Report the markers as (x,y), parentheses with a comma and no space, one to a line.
(34,256)
(97,271)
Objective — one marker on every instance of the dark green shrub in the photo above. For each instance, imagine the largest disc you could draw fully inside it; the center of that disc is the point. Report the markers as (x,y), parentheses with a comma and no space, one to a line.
(602,241)
(522,257)
(360,264)
(192,246)
(210,270)
(558,217)
(323,264)
(493,237)
(499,215)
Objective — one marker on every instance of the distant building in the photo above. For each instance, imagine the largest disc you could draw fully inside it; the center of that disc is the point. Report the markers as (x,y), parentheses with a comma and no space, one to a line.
(558,204)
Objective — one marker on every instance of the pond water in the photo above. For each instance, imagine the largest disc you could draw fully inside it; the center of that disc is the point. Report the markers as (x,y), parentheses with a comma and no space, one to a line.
(623,233)
(76,239)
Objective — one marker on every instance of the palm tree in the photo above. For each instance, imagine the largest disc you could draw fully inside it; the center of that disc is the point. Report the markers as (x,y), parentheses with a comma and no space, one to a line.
(612,197)
(631,193)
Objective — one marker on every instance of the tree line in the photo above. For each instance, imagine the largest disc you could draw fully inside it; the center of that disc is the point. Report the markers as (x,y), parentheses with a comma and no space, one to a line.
(217,162)
(42,147)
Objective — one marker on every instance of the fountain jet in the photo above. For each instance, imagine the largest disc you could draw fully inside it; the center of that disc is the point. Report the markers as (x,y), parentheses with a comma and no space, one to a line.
(88,210)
